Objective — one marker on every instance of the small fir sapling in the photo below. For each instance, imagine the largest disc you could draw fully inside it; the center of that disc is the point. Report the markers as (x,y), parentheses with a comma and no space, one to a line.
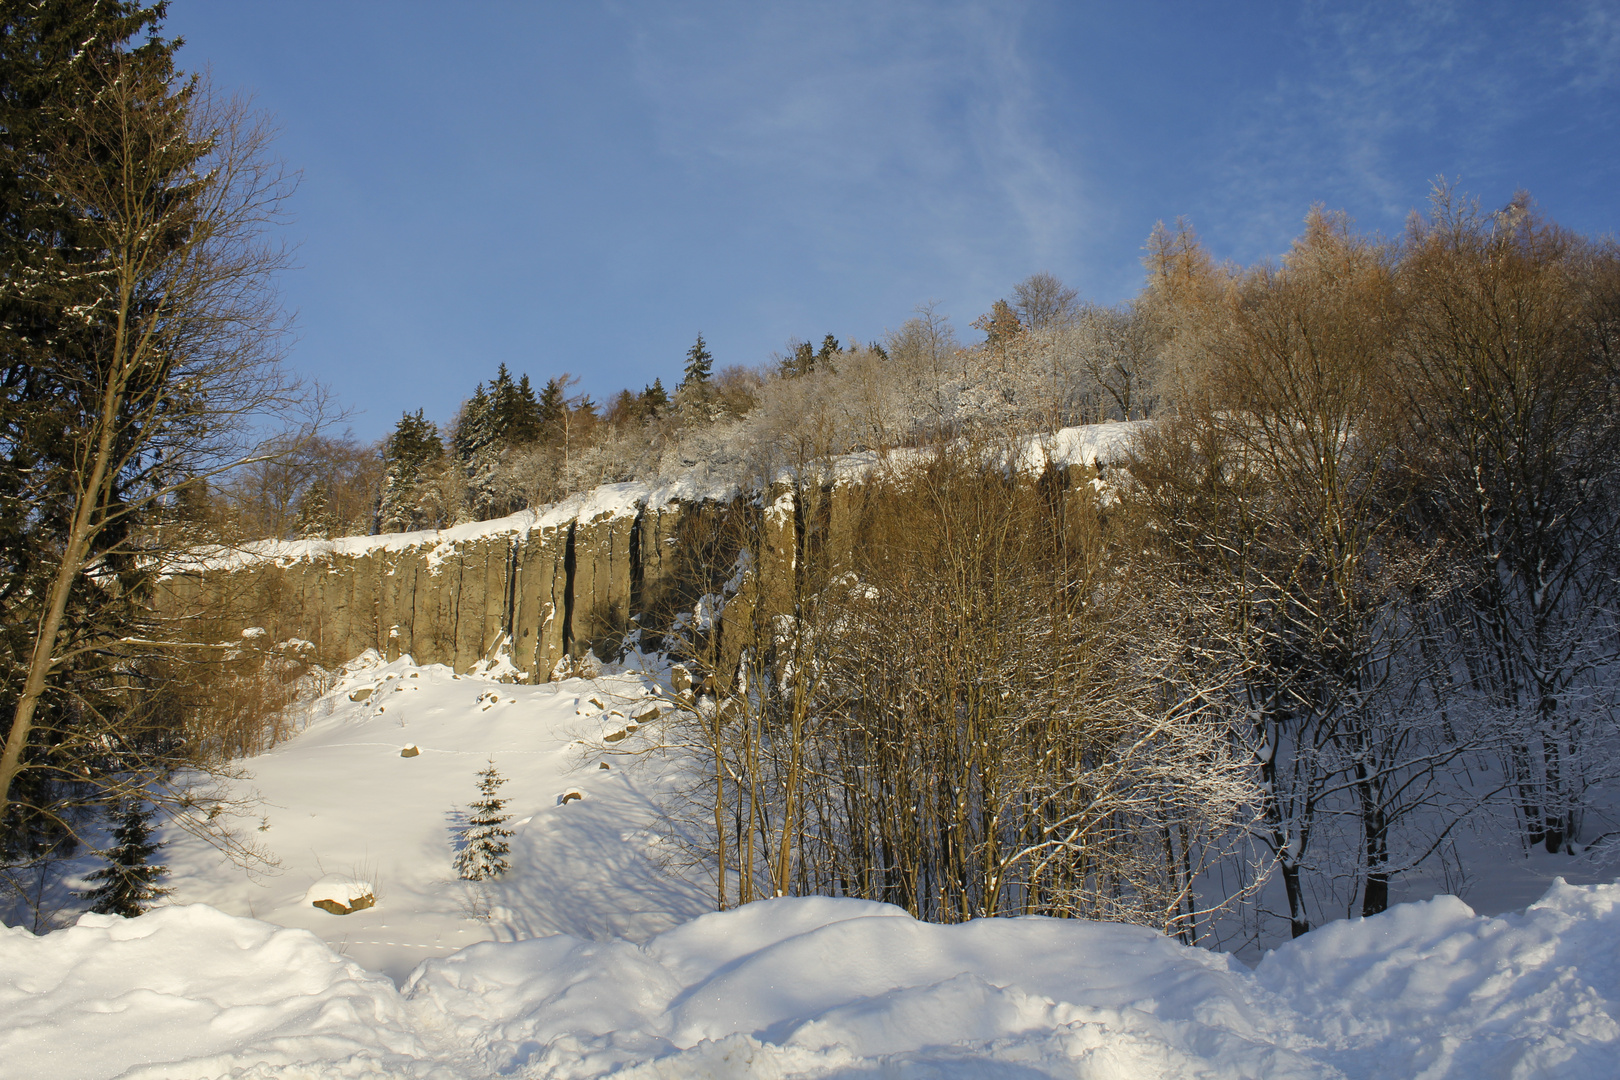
(484,847)
(128,884)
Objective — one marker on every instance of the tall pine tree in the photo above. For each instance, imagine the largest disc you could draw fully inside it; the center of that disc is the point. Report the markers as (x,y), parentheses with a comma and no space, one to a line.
(699,366)
(58,61)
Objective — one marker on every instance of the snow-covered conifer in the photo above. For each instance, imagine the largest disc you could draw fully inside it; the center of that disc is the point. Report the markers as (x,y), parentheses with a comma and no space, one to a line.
(484,847)
(411,453)
(128,884)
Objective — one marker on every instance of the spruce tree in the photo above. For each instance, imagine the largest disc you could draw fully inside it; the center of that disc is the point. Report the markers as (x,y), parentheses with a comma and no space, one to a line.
(523,427)
(699,366)
(484,847)
(802,362)
(315,520)
(473,428)
(554,410)
(409,456)
(129,881)
(829,349)
(54,58)
(655,399)
(514,415)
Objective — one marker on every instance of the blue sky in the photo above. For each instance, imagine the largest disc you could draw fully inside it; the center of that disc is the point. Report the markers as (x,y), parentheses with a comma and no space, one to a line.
(583,187)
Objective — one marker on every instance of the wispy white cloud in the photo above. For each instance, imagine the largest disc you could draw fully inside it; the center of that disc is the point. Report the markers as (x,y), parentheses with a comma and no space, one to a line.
(1389,86)
(1591,45)
(905,123)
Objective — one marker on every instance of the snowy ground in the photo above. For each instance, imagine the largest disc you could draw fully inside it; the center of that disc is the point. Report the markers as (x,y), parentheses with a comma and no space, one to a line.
(595,957)
(339,802)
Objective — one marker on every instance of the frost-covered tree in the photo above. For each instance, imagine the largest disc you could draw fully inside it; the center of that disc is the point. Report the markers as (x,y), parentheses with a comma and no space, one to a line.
(1043,302)
(484,847)
(411,454)
(315,520)
(129,882)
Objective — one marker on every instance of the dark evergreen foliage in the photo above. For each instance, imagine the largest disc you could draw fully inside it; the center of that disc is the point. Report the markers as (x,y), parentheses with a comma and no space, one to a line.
(514,414)
(824,355)
(129,882)
(410,455)
(655,400)
(699,366)
(553,413)
(54,56)
(801,362)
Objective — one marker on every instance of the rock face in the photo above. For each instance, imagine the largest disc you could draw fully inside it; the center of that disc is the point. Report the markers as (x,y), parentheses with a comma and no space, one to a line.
(534,589)
(542,590)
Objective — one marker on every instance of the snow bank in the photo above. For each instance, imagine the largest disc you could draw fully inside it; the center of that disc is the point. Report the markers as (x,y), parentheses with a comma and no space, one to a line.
(822,988)
(190,992)
(1430,989)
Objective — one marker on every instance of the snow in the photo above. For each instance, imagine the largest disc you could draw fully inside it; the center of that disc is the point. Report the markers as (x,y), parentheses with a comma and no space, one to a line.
(188,985)
(597,954)
(822,987)
(340,887)
(1090,444)
(340,802)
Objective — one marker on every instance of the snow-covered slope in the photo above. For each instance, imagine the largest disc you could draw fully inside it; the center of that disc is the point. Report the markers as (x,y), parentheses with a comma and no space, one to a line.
(595,957)
(340,801)
(825,988)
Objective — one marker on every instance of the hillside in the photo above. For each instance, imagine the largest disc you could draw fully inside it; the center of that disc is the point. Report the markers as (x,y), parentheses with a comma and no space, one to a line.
(594,955)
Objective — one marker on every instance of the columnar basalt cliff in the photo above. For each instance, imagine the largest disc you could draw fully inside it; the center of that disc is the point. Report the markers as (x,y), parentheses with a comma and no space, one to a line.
(542,585)
(532,587)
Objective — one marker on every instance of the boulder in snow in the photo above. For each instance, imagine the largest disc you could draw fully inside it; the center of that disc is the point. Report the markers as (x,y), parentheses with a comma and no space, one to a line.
(341,894)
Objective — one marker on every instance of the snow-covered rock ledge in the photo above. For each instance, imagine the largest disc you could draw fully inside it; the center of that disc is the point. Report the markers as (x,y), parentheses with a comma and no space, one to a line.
(819,987)
(528,589)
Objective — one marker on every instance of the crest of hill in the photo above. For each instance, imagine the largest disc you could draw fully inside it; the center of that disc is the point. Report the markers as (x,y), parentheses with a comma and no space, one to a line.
(1089,444)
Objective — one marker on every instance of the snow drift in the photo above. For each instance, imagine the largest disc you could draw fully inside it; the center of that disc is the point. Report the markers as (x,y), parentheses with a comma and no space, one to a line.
(821,987)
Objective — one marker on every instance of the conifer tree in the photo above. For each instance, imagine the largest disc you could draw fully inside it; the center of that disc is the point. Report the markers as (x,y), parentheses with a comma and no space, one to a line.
(625,408)
(802,362)
(137,351)
(484,850)
(554,410)
(655,399)
(699,366)
(514,415)
(1000,325)
(829,349)
(129,881)
(315,520)
(409,455)
(473,428)
(524,424)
